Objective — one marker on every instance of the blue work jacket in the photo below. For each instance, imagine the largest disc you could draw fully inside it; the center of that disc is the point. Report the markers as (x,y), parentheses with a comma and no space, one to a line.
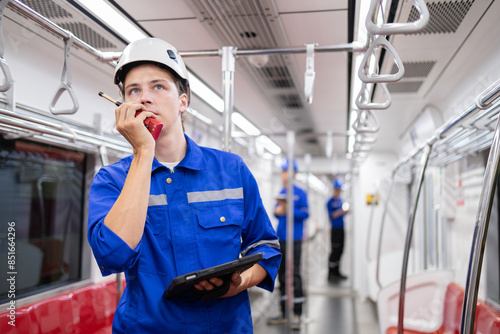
(300,214)
(205,212)
(333,205)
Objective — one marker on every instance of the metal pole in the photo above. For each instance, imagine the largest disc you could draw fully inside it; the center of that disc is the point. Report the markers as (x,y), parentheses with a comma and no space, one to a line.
(483,100)
(413,210)
(348,47)
(381,233)
(480,233)
(370,221)
(307,162)
(290,139)
(352,250)
(22,9)
(228,86)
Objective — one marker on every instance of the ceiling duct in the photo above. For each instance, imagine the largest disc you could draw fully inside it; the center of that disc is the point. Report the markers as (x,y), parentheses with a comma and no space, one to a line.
(415,74)
(445,16)
(254,25)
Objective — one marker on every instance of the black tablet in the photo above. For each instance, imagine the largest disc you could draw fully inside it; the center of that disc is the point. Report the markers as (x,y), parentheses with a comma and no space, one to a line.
(184,283)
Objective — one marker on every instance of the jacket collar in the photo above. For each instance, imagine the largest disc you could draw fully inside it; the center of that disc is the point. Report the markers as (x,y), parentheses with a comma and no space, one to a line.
(194,158)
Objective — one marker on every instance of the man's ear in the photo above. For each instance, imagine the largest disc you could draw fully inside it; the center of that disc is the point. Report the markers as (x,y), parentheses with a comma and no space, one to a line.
(184,102)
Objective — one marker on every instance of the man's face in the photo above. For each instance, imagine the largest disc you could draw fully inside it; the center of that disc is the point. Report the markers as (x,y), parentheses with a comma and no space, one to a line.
(284,176)
(155,88)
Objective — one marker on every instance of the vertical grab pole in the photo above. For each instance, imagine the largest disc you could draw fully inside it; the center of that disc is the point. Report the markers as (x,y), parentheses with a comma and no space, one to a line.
(480,233)
(290,139)
(228,87)
(370,221)
(409,233)
(379,246)
(305,254)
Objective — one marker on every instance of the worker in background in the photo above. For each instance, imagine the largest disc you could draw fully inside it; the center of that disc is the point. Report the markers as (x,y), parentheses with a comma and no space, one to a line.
(174,207)
(300,214)
(336,212)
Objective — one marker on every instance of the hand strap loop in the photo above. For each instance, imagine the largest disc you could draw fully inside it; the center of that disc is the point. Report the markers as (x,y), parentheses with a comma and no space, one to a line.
(65,84)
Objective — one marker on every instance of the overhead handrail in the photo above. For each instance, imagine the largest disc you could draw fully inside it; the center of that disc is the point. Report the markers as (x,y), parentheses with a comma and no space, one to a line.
(484,100)
(39,19)
(397,28)
(65,85)
(309,74)
(481,228)
(363,99)
(7,84)
(363,120)
(449,128)
(42,127)
(379,42)
(411,222)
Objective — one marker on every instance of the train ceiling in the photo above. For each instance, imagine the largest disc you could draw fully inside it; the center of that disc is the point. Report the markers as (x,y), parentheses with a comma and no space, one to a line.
(269,92)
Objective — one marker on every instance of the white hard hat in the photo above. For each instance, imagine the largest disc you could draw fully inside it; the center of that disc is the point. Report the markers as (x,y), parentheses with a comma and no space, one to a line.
(154,50)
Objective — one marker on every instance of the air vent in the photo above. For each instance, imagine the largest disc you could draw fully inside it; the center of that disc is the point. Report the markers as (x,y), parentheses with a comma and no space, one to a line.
(277,76)
(311,140)
(48,8)
(404,87)
(445,16)
(88,35)
(290,101)
(256,25)
(418,69)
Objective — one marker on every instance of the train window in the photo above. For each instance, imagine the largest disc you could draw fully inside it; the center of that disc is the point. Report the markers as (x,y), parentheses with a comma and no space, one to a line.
(41,208)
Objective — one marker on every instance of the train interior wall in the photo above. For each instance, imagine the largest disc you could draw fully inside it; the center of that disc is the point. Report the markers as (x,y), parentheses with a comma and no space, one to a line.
(35,58)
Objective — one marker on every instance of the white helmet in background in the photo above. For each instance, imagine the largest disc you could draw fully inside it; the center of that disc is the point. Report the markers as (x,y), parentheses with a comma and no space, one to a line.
(154,50)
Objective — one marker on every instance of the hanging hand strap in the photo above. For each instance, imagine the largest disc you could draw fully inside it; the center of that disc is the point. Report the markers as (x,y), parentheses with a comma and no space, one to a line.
(378,78)
(363,99)
(366,122)
(7,84)
(397,28)
(65,83)
(309,74)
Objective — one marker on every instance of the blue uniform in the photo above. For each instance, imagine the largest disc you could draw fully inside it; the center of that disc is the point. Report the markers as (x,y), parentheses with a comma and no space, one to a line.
(337,238)
(300,214)
(333,205)
(205,212)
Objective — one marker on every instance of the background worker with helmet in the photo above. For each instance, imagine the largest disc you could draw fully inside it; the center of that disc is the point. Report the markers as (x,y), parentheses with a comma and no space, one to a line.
(336,213)
(174,207)
(300,214)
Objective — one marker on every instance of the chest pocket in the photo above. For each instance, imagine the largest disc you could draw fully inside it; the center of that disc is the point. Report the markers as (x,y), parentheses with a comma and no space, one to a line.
(219,231)
(157,220)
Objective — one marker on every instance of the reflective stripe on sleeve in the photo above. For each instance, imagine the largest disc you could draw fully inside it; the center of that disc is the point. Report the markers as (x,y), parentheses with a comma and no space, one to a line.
(272,243)
(214,195)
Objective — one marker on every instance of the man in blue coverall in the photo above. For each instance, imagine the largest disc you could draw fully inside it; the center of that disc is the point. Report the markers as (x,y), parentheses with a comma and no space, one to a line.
(336,213)
(300,214)
(174,207)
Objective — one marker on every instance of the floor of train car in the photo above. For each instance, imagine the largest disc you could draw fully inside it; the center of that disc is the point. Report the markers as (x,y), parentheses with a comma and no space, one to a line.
(331,307)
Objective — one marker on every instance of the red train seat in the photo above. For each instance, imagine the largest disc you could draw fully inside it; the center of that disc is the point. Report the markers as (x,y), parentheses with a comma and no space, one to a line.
(487,320)
(86,310)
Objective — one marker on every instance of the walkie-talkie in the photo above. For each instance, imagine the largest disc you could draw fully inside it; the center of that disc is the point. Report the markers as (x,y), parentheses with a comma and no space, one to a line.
(154,126)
